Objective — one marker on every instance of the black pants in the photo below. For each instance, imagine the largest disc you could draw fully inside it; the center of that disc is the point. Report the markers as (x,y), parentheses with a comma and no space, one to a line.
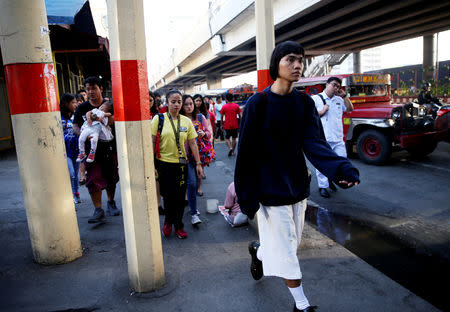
(219,130)
(172,179)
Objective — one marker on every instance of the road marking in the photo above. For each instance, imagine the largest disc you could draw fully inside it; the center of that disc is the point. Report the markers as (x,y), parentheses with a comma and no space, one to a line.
(431,166)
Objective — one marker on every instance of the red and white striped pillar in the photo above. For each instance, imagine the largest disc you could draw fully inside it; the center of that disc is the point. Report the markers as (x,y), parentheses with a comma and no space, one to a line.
(31,85)
(265,41)
(134,143)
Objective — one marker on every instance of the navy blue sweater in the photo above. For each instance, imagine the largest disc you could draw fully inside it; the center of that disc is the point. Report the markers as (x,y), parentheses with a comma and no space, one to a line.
(276,130)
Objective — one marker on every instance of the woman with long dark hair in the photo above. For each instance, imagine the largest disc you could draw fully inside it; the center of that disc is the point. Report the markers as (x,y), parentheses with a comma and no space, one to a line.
(67,105)
(190,110)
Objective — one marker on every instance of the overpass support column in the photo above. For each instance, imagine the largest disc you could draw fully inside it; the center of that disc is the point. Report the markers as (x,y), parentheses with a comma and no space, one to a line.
(134,145)
(31,84)
(189,89)
(429,56)
(357,62)
(214,82)
(265,41)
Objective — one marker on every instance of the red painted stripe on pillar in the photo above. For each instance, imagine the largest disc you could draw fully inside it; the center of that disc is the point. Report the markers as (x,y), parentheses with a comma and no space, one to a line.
(31,88)
(130,90)
(264,79)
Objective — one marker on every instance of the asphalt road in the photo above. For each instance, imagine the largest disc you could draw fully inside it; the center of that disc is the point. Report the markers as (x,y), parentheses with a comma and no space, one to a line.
(406,197)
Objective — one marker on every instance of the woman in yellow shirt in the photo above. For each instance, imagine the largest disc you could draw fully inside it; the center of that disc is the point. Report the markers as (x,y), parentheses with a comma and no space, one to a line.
(171,161)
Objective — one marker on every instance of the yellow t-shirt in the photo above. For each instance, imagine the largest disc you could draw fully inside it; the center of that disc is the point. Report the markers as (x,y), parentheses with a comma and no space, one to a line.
(167,143)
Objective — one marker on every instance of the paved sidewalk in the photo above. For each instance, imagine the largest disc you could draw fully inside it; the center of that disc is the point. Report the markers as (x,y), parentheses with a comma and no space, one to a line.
(209,271)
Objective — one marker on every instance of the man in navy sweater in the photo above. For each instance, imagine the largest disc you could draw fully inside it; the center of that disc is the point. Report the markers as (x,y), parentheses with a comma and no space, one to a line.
(279,125)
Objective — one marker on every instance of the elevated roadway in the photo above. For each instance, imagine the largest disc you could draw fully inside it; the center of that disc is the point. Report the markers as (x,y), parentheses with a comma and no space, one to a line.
(223,45)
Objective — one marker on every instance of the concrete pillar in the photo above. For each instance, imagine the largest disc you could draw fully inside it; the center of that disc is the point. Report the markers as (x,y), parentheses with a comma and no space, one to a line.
(357,62)
(134,145)
(189,88)
(213,82)
(429,56)
(36,120)
(265,41)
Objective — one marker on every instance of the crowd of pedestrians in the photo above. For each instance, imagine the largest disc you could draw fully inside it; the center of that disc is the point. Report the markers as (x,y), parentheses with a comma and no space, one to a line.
(184,128)
(277,127)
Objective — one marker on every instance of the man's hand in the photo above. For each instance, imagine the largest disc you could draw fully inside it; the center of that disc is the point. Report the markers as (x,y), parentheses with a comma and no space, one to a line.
(89,118)
(341,93)
(344,184)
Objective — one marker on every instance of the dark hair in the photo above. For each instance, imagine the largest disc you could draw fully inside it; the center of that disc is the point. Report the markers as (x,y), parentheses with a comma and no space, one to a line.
(81,90)
(329,80)
(156,94)
(219,96)
(194,112)
(280,51)
(79,97)
(172,91)
(66,98)
(203,107)
(229,97)
(108,103)
(93,80)
(153,109)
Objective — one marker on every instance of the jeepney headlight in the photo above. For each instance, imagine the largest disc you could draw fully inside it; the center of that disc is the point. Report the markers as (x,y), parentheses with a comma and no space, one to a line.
(421,111)
(396,114)
(390,122)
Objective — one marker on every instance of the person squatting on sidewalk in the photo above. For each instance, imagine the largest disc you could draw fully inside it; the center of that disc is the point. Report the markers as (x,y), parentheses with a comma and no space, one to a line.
(103,172)
(231,210)
(95,127)
(282,123)
(67,106)
(330,105)
(170,131)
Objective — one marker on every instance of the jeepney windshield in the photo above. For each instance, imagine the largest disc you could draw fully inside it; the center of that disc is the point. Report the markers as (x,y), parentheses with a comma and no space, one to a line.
(368,84)
(368,90)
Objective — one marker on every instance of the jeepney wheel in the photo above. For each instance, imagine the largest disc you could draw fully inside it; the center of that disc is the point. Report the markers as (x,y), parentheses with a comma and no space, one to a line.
(422,150)
(373,147)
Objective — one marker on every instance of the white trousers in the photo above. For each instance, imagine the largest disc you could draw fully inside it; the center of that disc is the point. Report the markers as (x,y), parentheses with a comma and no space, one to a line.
(338,148)
(94,132)
(280,233)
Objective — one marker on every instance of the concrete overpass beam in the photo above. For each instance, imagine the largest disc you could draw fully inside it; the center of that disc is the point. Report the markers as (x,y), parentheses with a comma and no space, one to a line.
(429,56)
(357,62)
(214,82)
(31,84)
(265,41)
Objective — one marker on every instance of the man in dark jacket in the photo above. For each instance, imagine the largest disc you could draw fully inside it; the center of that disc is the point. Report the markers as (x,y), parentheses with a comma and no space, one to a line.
(279,125)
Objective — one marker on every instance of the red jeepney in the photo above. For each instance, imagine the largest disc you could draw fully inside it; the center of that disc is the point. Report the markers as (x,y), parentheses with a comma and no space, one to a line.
(376,126)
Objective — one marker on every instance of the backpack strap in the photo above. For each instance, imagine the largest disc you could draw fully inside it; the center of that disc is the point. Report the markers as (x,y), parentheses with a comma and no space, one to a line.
(323,100)
(158,134)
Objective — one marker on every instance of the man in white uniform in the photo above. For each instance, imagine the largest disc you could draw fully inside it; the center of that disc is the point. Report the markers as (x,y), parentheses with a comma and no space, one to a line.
(330,105)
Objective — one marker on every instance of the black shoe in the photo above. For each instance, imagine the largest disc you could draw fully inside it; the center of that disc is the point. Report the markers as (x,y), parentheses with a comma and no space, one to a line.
(324,193)
(230,153)
(308,309)
(332,186)
(111,208)
(98,215)
(161,211)
(256,267)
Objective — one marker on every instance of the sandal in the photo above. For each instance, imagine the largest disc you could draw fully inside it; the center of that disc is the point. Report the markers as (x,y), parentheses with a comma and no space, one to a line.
(82,181)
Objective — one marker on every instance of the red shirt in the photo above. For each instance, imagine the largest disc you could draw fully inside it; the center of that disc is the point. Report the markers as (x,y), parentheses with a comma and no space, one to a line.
(230,111)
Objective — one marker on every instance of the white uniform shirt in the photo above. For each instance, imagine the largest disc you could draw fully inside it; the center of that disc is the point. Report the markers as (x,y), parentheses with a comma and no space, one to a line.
(332,119)
(218,108)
